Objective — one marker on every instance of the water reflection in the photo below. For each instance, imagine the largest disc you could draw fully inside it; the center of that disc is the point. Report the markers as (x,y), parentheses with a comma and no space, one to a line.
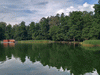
(5,44)
(9,44)
(16,67)
(66,59)
(12,44)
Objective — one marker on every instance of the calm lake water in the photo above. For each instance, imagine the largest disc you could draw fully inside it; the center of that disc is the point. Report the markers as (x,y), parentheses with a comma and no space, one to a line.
(49,59)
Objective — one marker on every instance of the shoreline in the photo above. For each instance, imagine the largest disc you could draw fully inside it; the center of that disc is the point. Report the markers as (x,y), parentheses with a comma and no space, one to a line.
(36,41)
(89,43)
(84,43)
(47,41)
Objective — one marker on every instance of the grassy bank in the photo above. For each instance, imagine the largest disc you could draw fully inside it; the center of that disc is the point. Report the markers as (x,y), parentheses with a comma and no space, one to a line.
(93,42)
(36,41)
(90,43)
(84,43)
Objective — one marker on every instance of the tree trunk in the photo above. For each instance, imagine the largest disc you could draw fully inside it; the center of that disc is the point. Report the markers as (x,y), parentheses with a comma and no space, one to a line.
(74,39)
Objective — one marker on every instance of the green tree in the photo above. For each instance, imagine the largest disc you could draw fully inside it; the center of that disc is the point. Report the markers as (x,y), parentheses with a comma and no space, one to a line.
(75,25)
(28,33)
(37,34)
(3,26)
(20,31)
(97,8)
(55,33)
(54,21)
(8,32)
(87,24)
(94,32)
(1,33)
(64,26)
(44,28)
(97,11)
(23,32)
(16,29)
(31,29)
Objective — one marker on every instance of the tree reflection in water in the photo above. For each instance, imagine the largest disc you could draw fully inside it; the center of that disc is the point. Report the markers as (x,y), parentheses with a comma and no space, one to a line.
(79,60)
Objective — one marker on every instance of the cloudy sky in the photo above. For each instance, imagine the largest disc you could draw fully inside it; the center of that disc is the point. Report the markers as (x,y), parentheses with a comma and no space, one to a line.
(15,11)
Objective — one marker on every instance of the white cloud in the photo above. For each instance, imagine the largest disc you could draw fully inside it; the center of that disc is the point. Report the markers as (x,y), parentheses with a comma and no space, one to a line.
(84,7)
(61,11)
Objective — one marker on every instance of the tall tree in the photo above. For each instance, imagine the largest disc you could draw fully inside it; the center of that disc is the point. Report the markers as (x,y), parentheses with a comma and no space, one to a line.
(75,25)
(31,29)
(53,32)
(8,32)
(87,24)
(16,29)
(54,21)
(29,37)
(1,33)
(64,26)
(23,32)
(3,26)
(37,34)
(97,9)
(20,31)
(94,32)
(44,27)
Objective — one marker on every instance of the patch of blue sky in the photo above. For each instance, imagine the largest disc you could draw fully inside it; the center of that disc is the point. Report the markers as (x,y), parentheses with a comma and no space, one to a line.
(91,1)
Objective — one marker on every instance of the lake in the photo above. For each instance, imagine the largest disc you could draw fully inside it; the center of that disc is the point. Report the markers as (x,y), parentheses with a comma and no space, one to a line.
(49,59)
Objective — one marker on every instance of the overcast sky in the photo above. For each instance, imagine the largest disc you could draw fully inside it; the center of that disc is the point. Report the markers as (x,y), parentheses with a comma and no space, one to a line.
(15,11)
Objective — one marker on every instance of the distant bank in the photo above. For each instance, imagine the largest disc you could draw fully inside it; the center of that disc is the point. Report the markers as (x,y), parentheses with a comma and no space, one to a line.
(45,41)
(36,41)
(84,43)
(88,43)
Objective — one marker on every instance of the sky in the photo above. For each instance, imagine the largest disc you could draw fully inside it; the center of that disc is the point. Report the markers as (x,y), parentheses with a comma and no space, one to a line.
(15,11)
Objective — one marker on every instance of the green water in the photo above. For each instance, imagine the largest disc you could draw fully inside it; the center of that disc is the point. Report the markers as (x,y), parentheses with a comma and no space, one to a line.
(49,59)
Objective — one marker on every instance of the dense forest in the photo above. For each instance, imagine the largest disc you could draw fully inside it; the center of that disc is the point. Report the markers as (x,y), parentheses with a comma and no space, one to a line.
(78,26)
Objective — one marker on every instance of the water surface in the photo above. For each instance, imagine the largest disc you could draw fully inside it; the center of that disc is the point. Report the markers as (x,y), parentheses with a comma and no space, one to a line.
(49,59)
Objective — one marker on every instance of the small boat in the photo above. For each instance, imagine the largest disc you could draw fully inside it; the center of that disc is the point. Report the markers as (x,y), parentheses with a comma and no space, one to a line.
(8,41)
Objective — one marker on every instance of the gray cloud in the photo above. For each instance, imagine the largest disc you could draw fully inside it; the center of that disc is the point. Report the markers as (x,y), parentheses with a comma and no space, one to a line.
(42,3)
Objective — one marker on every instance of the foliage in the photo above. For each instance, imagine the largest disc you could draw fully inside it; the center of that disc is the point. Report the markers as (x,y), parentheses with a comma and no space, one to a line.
(8,31)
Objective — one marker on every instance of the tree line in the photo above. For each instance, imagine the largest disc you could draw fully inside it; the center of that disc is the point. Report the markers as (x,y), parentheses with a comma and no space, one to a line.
(79,25)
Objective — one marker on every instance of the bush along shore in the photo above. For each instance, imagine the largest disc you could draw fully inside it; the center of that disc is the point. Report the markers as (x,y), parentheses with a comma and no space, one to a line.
(90,43)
